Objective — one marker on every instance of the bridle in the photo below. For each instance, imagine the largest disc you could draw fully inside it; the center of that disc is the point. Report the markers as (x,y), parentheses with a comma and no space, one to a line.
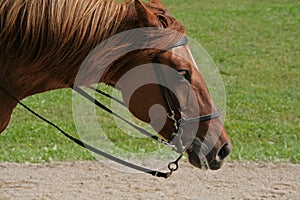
(169,102)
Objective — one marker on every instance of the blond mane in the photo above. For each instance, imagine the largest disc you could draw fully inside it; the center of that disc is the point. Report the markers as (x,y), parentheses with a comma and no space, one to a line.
(43,43)
(33,29)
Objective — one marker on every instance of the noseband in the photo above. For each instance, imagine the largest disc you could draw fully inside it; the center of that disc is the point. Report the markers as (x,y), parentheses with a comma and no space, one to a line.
(169,101)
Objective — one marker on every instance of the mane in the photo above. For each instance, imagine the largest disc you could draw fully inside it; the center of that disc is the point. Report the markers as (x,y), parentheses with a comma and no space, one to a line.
(43,42)
(30,29)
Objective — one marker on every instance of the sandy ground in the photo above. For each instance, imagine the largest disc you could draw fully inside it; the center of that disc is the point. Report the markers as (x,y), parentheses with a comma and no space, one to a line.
(95,180)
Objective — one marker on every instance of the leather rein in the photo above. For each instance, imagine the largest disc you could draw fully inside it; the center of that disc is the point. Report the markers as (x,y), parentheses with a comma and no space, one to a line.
(172,166)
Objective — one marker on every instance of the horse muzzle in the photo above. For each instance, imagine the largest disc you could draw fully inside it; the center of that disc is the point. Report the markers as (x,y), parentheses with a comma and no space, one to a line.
(214,159)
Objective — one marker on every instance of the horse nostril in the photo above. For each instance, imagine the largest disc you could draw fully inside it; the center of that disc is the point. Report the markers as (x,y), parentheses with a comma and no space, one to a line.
(224,151)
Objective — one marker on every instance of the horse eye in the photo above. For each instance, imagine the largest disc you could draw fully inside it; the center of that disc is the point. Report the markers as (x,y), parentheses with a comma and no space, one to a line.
(184,74)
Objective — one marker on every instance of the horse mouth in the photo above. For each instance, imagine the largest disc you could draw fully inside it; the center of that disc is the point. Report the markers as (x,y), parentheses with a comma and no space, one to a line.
(199,160)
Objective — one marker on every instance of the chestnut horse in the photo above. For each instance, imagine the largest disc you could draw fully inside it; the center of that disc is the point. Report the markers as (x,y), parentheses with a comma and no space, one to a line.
(44,43)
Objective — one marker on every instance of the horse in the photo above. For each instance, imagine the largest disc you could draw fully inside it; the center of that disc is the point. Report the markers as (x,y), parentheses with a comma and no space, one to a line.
(44,43)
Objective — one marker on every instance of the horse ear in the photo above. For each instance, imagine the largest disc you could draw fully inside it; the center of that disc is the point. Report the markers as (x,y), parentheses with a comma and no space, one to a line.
(146,18)
(157,3)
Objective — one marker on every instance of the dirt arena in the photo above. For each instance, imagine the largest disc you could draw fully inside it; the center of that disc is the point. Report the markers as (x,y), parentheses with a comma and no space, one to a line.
(95,180)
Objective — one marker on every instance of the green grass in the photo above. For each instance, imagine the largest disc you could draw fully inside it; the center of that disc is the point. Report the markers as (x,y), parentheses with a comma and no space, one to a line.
(256,47)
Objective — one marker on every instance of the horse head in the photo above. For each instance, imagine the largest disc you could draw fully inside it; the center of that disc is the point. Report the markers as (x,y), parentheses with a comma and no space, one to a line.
(174,108)
(65,34)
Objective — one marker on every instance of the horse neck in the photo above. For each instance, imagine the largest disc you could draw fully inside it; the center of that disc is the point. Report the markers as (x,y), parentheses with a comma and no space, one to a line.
(42,51)
(7,105)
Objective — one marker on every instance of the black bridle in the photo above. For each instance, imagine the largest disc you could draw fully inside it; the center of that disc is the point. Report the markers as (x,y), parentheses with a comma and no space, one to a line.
(169,101)
(173,166)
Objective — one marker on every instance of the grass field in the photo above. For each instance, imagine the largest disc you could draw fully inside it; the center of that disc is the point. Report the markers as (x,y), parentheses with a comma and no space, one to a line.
(256,46)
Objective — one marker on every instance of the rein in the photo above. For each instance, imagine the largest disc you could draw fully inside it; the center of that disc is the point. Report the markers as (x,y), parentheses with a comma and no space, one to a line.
(172,166)
(166,94)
